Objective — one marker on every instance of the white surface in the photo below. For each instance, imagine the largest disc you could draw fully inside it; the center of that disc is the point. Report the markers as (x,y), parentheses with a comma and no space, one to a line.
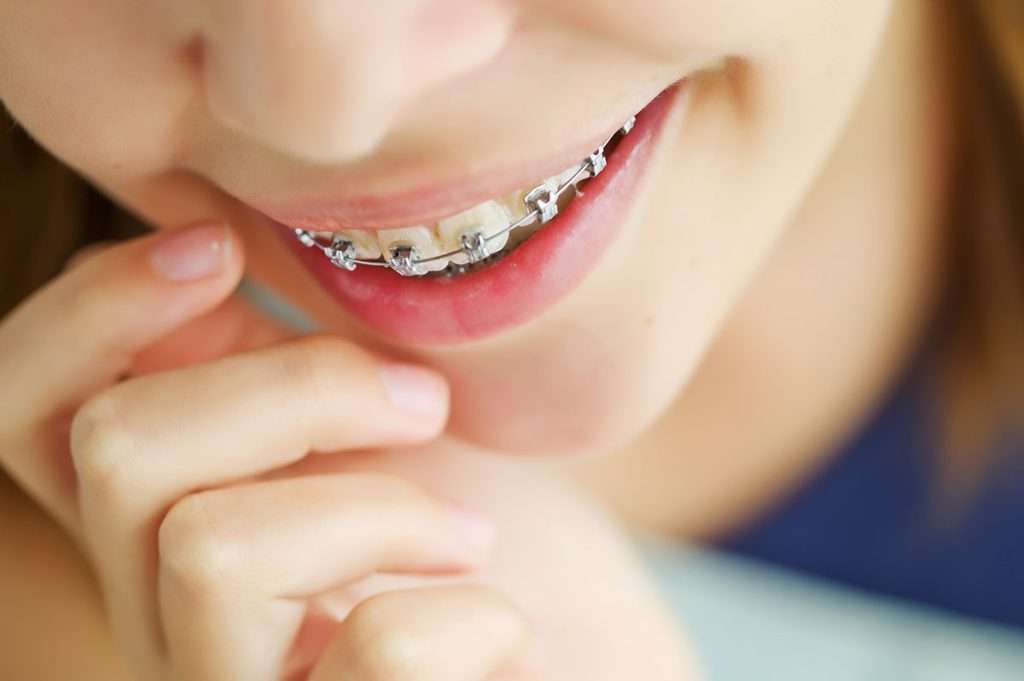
(751,621)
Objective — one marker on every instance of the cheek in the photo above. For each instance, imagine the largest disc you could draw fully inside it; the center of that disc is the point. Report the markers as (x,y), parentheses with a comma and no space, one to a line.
(96,83)
(673,29)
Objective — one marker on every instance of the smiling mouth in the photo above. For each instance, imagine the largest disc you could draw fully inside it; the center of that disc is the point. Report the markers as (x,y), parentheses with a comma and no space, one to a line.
(471,239)
(496,265)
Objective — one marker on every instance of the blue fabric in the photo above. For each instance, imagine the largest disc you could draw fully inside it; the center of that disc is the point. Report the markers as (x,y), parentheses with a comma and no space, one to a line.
(870,520)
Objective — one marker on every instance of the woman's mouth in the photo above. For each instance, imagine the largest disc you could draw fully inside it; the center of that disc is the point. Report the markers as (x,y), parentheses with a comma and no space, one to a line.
(472,239)
(495,265)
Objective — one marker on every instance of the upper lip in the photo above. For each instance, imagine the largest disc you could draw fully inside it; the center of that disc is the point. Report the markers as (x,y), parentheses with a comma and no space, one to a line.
(426,202)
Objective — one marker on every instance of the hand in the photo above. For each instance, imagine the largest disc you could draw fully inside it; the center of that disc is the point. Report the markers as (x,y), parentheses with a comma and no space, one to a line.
(208,552)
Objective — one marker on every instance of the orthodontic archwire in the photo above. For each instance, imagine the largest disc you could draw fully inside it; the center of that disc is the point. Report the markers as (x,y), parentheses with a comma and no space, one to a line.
(541,204)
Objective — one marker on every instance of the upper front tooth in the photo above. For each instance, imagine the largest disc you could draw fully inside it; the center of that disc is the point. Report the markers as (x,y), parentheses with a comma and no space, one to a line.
(515,204)
(566,176)
(421,238)
(365,242)
(544,199)
(489,218)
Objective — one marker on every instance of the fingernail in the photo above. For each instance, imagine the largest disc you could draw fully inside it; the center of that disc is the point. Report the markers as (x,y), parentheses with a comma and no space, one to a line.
(474,531)
(192,253)
(415,390)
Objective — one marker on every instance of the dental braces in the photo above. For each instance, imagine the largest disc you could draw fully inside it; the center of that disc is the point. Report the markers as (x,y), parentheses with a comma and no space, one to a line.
(541,204)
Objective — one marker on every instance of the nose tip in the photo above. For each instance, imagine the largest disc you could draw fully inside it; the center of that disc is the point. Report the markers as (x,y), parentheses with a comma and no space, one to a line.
(323,81)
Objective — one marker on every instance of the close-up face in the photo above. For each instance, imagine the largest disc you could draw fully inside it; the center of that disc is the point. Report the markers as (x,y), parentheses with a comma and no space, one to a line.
(397,132)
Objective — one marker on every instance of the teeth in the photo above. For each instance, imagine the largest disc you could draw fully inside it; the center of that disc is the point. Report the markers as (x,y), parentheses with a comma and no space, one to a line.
(420,238)
(489,217)
(566,176)
(464,235)
(596,163)
(305,238)
(342,253)
(365,242)
(516,205)
(544,199)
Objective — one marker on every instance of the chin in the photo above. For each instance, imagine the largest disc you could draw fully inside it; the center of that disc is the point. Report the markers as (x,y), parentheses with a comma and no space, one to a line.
(575,424)
(556,407)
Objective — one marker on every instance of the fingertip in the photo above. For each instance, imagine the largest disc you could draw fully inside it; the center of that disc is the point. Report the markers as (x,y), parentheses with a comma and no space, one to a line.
(199,252)
(417,391)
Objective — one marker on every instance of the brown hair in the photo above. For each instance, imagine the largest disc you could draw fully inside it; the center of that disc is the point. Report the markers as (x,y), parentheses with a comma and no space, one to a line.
(983,365)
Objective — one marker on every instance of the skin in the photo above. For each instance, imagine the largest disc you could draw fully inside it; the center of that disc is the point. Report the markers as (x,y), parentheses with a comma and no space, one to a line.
(164,482)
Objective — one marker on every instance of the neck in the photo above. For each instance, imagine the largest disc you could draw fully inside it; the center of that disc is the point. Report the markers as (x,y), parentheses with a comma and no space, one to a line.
(821,334)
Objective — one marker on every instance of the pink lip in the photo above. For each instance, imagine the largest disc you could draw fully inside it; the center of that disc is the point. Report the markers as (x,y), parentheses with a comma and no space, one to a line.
(423,204)
(519,287)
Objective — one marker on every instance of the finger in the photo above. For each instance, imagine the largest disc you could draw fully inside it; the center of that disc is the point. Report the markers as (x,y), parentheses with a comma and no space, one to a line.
(81,331)
(461,633)
(85,253)
(237,565)
(90,321)
(141,445)
(234,327)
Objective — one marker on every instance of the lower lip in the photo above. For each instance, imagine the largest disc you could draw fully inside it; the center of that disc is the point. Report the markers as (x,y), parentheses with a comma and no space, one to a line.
(519,287)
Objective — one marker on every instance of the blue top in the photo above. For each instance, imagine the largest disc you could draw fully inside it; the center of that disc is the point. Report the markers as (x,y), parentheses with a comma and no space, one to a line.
(869,518)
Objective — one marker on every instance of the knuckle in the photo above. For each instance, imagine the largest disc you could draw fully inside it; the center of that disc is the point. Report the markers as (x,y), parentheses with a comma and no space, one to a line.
(315,363)
(193,555)
(384,638)
(382,646)
(102,446)
(502,618)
